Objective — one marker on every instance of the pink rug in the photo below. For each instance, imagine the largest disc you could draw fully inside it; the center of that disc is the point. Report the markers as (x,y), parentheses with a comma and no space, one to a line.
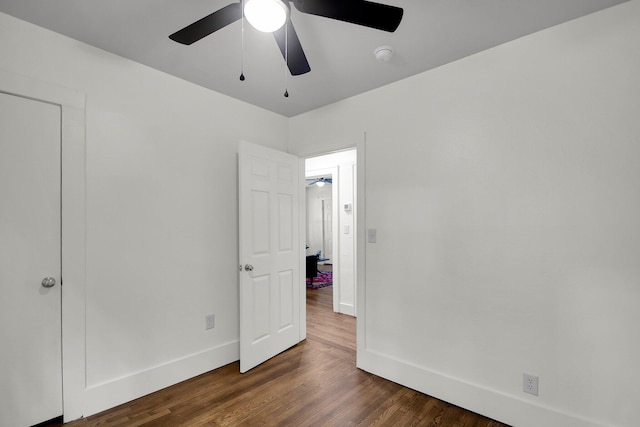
(324,278)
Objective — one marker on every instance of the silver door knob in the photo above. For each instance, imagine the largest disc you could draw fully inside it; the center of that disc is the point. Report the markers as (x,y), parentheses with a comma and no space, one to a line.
(248,267)
(48,282)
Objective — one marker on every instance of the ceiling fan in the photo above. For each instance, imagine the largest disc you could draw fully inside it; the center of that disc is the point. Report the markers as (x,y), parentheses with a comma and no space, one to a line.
(320,182)
(369,14)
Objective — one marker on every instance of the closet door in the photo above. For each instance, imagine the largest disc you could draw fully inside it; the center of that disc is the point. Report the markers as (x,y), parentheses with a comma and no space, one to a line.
(30,262)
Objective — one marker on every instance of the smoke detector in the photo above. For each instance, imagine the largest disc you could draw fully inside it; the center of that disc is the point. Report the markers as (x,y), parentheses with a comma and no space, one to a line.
(383,53)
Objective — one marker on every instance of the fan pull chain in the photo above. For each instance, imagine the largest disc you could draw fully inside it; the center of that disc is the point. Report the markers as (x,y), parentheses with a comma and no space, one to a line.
(242,45)
(286,58)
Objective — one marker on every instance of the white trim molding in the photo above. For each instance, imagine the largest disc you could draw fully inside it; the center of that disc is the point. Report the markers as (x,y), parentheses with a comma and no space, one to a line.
(107,395)
(473,397)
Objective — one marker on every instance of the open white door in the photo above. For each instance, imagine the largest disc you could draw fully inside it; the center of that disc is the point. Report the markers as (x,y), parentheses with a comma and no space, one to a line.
(270,253)
(30,266)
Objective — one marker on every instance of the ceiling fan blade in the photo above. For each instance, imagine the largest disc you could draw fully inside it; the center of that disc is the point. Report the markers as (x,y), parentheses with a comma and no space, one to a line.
(209,24)
(369,14)
(294,54)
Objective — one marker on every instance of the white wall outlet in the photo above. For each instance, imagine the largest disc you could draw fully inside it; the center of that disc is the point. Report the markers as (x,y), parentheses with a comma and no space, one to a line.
(210,321)
(372,235)
(530,384)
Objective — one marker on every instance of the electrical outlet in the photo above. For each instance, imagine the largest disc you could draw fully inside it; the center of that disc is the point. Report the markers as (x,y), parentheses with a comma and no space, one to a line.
(530,384)
(210,321)
(372,235)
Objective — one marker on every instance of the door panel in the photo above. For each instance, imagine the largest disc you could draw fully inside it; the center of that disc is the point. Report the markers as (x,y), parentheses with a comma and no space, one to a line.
(260,316)
(269,190)
(285,290)
(260,211)
(30,314)
(285,226)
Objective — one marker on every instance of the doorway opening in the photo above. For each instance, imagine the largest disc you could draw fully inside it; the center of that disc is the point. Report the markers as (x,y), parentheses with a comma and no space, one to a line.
(331,226)
(319,231)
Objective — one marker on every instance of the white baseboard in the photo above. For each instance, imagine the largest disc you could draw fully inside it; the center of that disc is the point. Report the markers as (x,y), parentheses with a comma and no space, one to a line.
(347,309)
(107,395)
(509,409)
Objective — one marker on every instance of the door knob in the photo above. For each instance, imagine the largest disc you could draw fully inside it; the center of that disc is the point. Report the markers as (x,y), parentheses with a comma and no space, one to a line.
(48,282)
(248,267)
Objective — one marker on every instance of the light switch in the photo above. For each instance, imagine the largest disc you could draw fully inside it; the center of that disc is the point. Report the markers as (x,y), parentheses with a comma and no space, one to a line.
(371,235)
(346,229)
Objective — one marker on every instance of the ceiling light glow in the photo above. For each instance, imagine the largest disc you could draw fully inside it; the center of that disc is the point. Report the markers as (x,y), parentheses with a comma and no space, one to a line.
(266,15)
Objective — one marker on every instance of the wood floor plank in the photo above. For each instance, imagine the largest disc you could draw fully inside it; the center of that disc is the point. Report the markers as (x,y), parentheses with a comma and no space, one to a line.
(315,383)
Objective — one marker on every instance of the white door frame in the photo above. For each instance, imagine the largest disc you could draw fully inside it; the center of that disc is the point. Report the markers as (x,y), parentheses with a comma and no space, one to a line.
(358,213)
(72,105)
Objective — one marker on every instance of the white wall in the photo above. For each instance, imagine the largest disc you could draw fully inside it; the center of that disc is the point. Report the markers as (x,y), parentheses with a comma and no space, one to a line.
(503,188)
(161,214)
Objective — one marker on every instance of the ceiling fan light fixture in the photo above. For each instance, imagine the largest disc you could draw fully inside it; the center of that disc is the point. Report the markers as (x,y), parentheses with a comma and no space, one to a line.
(320,183)
(266,15)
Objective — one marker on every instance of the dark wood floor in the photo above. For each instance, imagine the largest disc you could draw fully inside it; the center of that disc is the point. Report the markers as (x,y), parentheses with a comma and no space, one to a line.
(315,383)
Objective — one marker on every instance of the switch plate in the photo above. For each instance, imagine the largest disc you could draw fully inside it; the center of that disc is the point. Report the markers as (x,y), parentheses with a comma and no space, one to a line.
(346,229)
(210,321)
(372,235)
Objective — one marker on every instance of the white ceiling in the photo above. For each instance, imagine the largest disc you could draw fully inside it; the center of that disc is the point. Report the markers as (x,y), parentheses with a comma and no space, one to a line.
(432,33)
